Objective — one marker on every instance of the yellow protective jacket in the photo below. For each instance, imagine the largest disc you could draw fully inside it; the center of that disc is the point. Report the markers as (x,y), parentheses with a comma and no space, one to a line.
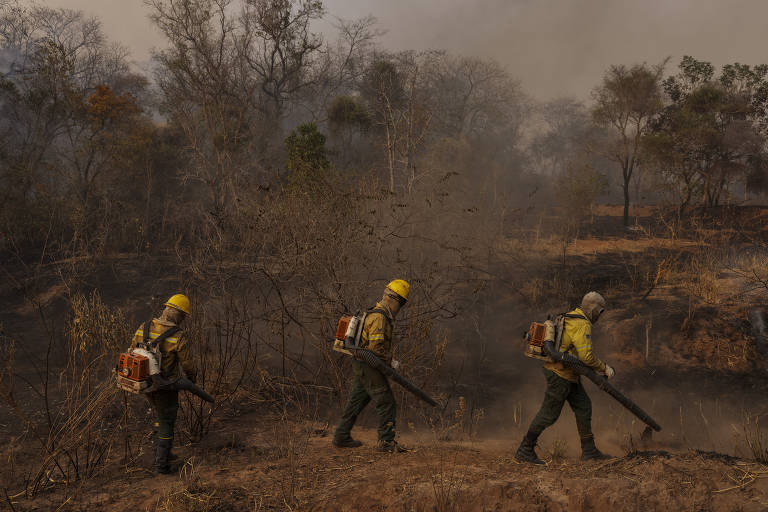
(174,350)
(577,340)
(377,333)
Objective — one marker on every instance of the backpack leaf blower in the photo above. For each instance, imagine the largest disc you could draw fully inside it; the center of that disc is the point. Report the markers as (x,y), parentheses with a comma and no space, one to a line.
(347,341)
(138,370)
(543,342)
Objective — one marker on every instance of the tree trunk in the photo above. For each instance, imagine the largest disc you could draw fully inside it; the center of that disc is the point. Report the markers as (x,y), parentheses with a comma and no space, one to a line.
(685,201)
(390,161)
(626,200)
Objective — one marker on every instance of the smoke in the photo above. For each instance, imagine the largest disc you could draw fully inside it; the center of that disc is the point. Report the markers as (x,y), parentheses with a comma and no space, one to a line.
(560,48)
(555,48)
(10,61)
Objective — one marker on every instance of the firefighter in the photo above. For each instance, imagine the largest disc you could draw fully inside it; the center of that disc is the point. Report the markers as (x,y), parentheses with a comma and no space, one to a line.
(175,357)
(563,384)
(370,384)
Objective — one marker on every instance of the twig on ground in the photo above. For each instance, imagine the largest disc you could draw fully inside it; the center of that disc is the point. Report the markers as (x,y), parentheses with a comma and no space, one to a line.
(8,499)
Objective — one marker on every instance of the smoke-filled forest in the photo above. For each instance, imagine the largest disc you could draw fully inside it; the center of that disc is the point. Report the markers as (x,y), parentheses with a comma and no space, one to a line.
(281,166)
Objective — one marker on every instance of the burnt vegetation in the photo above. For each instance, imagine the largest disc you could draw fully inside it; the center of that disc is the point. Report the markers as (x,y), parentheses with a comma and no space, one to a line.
(281,178)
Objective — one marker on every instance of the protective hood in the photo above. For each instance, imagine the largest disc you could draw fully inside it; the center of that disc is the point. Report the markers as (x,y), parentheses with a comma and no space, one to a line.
(166,323)
(593,304)
(382,304)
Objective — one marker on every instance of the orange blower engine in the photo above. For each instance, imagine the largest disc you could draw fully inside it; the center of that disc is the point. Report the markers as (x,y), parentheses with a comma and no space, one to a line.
(134,369)
(538,333)
(348,332)
(534,339)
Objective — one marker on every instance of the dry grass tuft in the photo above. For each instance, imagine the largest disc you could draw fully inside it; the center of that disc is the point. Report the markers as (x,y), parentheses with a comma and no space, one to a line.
(753,437)
(194,495)
(558,451)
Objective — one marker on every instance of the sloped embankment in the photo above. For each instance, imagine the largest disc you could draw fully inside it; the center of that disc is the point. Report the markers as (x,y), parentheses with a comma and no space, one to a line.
(274,465)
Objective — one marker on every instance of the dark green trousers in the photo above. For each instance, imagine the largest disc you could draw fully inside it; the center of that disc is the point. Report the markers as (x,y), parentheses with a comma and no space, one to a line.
(559,391)
(166,406)
(369,385)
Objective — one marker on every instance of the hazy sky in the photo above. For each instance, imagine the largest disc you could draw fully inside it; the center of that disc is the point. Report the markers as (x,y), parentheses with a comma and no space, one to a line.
(554,47)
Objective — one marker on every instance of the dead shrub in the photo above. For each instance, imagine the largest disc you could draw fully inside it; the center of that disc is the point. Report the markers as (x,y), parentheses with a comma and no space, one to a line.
(449,484)
(81,422)
(298,413)
(225,350)
(195,494)
(753,437)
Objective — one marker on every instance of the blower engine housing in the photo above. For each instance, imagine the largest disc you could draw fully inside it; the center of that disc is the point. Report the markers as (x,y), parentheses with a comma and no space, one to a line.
(537,334)
(348,332)
(134,369)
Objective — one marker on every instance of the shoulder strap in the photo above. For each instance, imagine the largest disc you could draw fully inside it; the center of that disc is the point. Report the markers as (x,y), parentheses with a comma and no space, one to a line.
(147,326)
(560,327)
(381,312)
(165,334)
(570,315)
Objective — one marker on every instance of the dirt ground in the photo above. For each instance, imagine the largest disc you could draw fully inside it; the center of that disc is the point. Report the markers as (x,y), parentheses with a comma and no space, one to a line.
(697,377)
(260,468)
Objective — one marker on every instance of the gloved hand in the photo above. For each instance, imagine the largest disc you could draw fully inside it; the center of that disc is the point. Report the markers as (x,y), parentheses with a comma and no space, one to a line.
(609,372)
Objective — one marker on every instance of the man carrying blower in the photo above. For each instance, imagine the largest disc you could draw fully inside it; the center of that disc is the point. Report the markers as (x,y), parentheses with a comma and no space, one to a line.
(564,384)
(175,356)
(369,383)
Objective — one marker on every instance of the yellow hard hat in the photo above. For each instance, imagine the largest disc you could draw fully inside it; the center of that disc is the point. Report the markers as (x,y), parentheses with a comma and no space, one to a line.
(400,287)
(180,302)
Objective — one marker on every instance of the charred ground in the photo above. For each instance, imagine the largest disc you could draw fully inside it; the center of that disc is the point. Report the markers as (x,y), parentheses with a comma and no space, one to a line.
(682,349)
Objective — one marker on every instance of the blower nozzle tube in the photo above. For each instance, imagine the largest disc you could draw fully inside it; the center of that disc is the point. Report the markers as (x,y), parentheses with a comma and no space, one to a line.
(573,363)
(183,384)
(373,361)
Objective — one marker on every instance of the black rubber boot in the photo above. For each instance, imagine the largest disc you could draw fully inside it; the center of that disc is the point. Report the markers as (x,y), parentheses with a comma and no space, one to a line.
(527,450)
(171,456)
(162,452)
(589,451)
(346,443)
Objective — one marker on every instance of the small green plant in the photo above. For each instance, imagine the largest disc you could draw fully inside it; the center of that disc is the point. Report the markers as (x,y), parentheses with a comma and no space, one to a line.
(307,161)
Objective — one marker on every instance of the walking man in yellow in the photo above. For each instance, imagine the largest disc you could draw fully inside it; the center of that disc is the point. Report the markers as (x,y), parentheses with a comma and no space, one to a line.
(370,384)
(564,384)
(174,358)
